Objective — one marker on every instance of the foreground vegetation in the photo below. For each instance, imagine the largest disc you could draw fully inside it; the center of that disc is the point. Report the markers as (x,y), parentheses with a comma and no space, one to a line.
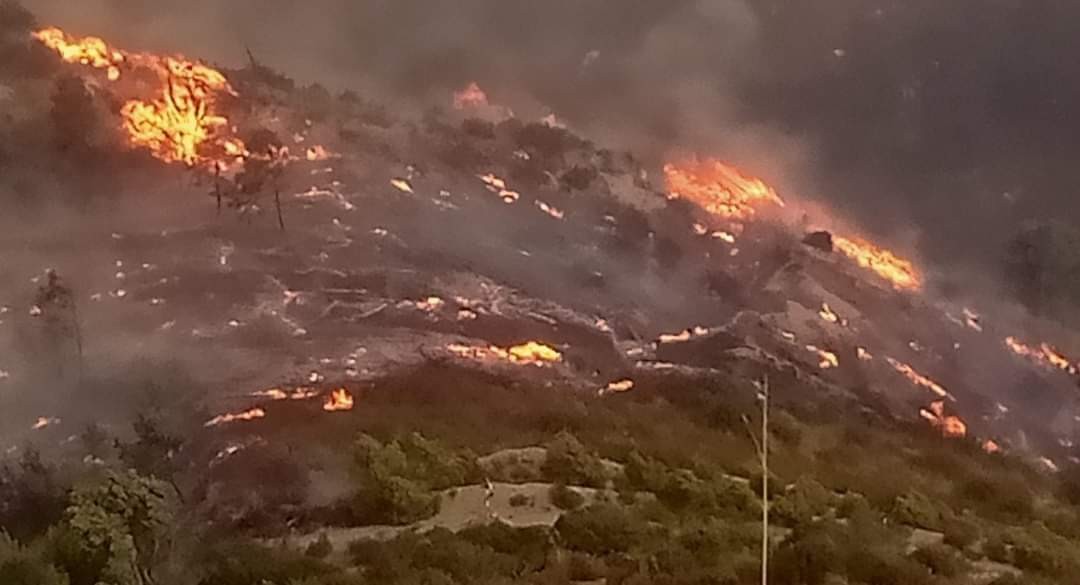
(860,498)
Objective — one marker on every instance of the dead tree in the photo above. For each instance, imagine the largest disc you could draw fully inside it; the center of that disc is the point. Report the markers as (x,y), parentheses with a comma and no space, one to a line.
(55,305)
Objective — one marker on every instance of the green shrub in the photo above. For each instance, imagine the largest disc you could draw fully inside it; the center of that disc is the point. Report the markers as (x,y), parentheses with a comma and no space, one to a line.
(584,567)
(569,462)
(248,563)
(600,529)
(919,510)
(21,566)
(321,548)
(565,498)
(1038,549)
(961,531)
(682,491)
(807,557)
(397,480)
(941,559)
(804,501)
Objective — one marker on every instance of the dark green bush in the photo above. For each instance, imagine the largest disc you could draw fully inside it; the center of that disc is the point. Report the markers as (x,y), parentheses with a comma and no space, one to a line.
(942,560)
(321,548)
(600,529)
(565,498)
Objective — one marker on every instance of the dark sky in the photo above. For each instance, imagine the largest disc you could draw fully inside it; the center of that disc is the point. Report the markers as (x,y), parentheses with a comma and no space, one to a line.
(937,124)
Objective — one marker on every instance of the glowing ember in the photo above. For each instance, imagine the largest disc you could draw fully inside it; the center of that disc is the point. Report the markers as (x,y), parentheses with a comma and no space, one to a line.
(829,315)
(972,320)
(466,315)
(43,422)
(863,354)
(301,393)
(618,386)
(991,447)
(725,236)
(684,335)
(952,427)
(719,189)
(497,185)
(917,378)
(317,153)
(675,338)
(828,358)
(180,124)
(272,394)
(899,272)
(247,415)
(553,212)
(338,400)
(402,185)
(470,97)
(1045,355)
(430,304)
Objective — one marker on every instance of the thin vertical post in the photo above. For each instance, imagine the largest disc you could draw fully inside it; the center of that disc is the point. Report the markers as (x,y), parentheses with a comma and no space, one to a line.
(765,481)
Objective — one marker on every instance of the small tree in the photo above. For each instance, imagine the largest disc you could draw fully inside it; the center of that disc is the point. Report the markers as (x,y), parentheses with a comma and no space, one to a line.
(31,497)
(75,120)
(570,462)
(565,498)
(154,451)
(22,566)
(124,515)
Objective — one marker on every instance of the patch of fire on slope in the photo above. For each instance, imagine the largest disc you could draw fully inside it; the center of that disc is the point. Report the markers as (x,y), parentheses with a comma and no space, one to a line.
(179,121)
(531,353)
(720,189)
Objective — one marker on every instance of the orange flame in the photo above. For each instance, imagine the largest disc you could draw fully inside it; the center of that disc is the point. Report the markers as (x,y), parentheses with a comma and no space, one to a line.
(952,427)
(827,314)
(44,421)
(719,189)
(917,378)
(301,393)
(899,272)
(180,124)
(247,415)
(1045,355)
(828,358)
(618,386)
(533,352)
(471,96)
(498,185)
(90,51)
(338,400)
(530,353)
(991,447)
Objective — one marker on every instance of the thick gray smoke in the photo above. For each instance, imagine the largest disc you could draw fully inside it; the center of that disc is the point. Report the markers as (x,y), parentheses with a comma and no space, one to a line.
(951,116)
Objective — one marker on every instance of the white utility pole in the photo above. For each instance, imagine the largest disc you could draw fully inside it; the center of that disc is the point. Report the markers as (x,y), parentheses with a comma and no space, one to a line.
(765,480)
(762,448)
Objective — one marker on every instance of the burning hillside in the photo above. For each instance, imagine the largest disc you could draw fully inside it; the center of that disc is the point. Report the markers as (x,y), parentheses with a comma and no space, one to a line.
(504,245)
